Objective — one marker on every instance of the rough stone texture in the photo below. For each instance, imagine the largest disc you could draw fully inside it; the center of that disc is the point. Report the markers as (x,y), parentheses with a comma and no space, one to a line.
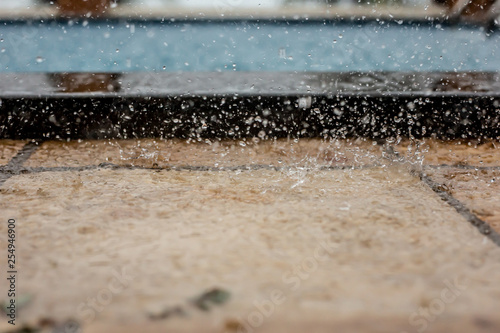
(478,189)
(473,178)
(393,247)
(9,149)
(437,152)
(161,153)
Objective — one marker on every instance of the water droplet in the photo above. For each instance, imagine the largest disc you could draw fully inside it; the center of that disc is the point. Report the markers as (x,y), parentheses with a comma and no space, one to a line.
(282,53)
(345,207)
(39,59)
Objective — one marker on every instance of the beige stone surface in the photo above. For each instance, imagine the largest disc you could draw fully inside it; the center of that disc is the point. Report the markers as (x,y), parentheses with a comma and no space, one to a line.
(390,247)
(328,324)
(437,152)
(9,149)
(479,190)
(162,153)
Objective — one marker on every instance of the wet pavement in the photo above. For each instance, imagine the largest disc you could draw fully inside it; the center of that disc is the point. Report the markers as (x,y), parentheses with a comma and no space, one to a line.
(212,154)
(9,149)
(282,236)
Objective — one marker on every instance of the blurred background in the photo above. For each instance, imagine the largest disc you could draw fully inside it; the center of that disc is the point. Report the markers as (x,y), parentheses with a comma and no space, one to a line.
(237,3)
(132,41)
(10,5)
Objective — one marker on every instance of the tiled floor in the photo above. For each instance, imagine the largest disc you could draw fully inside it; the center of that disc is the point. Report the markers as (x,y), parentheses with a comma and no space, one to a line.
(434,152)
(150,153)
(9,149)
(478,189)
(345,236)
(467,170)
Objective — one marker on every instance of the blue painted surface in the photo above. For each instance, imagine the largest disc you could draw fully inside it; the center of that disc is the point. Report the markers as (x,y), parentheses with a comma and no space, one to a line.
(114,46)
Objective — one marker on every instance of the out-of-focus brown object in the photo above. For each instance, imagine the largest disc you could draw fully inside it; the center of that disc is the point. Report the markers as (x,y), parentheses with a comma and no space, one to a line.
(85,82)
(477,8)
(87,8)
(471,82)
(469,10)
(446,3)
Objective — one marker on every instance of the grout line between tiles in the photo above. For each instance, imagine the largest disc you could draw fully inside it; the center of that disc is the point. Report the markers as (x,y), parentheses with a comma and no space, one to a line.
(247,167)
(463,166)
(15,167)
(16,163)
(483,227)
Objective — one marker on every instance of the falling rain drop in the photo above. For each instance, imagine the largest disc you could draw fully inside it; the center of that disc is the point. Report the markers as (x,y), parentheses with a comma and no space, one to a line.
(282,53)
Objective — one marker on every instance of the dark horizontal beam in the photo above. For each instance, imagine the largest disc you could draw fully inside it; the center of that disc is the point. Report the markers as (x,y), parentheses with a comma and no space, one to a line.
(204,105)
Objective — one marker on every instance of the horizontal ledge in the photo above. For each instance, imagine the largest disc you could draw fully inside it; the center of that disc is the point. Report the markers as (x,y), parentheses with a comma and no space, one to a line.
(460,85)
(247,104)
